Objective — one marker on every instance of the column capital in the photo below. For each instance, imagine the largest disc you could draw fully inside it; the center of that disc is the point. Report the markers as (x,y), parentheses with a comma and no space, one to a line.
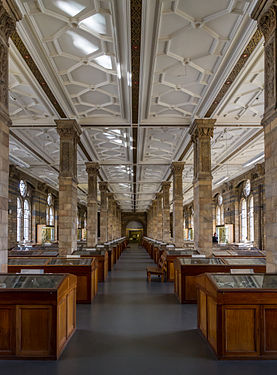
(92,168)
(68,128)
(9,15)
(103,186)
(265,14)
(177,167)
(166,185)
(159,195)
(202,128)
(110,196)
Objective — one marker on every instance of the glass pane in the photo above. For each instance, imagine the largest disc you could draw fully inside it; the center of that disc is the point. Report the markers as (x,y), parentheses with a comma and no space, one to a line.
(265,281)
(70,262)
(200,261)
(29,262)
(246,261)
(30,281)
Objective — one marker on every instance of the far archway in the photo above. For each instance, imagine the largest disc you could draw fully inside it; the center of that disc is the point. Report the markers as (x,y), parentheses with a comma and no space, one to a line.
(134,231)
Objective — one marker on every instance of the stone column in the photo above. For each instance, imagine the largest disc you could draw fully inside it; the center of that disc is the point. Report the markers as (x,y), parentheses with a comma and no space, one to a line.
(178,216)
(103,187)
(9,14)
(92,169)
(110,216)
(266,15)
(166,211)
(69,132)
(201,132)
(159,216)
(154,219)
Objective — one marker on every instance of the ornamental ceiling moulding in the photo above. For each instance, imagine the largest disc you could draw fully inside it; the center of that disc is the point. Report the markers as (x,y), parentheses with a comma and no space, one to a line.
(36,72)
(237,68)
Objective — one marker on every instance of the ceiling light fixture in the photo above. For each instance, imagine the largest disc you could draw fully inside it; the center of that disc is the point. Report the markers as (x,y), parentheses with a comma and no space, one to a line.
(257,158)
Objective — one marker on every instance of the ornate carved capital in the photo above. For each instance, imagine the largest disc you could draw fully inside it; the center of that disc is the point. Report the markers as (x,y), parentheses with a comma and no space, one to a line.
(9,14)
(202,128)
(267,22)
(110,196)
(159,195)
(166,185)
(103,186)
(68,128)
(177,167)
(92,168)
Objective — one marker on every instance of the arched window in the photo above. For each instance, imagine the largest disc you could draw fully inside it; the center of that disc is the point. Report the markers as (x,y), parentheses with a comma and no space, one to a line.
(251,218)
(243,220)
(218,215)
(50,212)
(19,220)
(27,220)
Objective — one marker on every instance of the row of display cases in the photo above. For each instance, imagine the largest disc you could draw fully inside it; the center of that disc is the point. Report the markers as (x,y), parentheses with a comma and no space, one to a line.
(186,270)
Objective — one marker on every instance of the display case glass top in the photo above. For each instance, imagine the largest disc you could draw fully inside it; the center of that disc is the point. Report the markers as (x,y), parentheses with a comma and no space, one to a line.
(200,261)
(89,252)
(257,281)
(70,262)
(27,262)
(182,252)
(245,261)
(46,281)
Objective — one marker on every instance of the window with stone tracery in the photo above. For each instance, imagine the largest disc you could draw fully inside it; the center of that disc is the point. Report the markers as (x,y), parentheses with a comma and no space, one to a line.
(251,218)
(50,212)
(243,220)
(27,220)
(19,220)
(247,226)
(23,214)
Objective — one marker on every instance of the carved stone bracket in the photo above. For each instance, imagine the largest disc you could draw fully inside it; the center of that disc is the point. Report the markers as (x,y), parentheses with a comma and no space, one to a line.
(202,128)
(177,167)
(92,168)
(166,185)
(103,186)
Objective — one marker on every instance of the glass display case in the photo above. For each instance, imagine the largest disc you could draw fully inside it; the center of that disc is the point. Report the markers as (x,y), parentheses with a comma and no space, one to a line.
(70,262)
(237,314)
(245,261)
(102,261)
(27,261)
(30,281)
(200,261)
(34,309)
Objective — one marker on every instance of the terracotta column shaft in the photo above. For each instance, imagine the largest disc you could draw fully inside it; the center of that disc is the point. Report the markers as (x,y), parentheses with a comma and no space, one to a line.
(201,132)
(160,216)
(103,187)
(69,132)
(110,216)
(266,15)
(166,211)
(92,209)
(178,217)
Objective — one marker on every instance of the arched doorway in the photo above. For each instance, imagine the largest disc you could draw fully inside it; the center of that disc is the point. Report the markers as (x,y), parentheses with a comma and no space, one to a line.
(134,231)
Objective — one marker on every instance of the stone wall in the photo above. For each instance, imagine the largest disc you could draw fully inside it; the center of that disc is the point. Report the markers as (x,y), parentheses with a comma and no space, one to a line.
(126,217)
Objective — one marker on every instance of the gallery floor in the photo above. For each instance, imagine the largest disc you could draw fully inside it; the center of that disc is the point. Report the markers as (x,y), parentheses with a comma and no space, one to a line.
(133,327)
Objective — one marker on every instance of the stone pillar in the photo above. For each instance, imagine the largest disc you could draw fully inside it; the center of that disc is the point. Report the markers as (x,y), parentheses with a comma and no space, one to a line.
(178,217)
(201,132)
(9,14)
(266,15)
(166,211)
(103,187)
(69,132)
(154,219)
(160,216)
(92,219)
(110,216)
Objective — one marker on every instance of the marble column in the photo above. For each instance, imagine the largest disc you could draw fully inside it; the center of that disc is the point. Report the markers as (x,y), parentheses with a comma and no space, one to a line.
(110,216)
(178,216)
(92,169)
(103,187)
(154,219)
(166,211)
(9,14)
(266,14)
(159,216)
(201,132)
(69,132)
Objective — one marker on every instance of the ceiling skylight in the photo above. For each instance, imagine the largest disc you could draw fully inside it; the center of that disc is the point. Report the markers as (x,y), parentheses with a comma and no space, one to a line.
(95,23)
(82,43)
(72,8)
(104,61)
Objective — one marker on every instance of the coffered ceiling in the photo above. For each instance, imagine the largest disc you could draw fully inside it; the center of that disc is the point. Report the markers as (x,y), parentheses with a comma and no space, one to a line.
(72,59)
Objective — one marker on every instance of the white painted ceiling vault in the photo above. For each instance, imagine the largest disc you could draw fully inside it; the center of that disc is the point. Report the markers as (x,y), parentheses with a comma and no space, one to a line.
(83,50)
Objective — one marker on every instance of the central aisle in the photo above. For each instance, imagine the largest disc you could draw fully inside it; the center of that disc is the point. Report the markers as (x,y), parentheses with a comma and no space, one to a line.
(136,328)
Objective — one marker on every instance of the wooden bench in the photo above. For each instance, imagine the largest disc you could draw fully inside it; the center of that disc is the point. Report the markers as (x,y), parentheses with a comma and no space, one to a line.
(160,270)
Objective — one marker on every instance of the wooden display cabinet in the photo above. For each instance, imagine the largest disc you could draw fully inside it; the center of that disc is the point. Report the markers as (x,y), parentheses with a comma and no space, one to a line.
(186,270)
(37,315)
(102,258)
(237,314)
(171,255)
(84,269)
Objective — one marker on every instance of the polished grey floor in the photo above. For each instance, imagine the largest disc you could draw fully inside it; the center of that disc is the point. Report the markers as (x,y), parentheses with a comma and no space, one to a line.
(134,327)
